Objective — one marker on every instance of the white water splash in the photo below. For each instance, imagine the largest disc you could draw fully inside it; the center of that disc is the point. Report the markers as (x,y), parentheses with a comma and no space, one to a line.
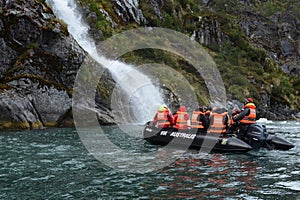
(143,94)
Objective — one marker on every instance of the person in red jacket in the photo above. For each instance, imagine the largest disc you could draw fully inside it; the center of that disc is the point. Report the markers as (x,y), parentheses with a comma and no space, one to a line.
(181,118)
(246,117)
(163,118)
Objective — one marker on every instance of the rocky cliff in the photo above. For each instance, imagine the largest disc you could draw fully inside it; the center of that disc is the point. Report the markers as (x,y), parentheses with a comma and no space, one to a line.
(256,45)
(39,62)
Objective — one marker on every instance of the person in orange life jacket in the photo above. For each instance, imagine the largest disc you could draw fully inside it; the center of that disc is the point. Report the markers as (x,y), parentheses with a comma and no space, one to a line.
(181,118)
(199,120)
(219,121)
(246,117)
(163,118)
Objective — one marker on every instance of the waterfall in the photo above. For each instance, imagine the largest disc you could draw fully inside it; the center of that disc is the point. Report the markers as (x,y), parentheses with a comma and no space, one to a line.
(144,96)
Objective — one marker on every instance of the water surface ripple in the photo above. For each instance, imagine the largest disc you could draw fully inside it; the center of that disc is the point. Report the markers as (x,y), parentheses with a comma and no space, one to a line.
(53,164)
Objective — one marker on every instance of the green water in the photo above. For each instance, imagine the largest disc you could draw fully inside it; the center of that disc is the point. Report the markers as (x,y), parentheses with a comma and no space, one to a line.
(54,164)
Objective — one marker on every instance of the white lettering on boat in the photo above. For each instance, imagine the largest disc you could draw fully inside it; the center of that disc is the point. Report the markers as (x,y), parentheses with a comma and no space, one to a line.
(183,135)
(163,133)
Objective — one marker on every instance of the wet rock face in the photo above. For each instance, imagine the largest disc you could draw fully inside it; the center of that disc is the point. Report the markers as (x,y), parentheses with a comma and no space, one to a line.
(24,115)
(155,5)
(7,57)
(39,63)
(210,32)
(48,102)
(271,109)
(129,10)
(278,34)
(23,32)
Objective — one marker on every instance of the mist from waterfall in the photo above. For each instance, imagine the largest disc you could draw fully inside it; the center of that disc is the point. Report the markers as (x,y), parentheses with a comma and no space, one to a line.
(144,96)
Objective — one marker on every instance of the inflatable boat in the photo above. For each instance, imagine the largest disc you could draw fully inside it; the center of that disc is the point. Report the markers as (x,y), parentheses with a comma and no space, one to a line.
(255,138)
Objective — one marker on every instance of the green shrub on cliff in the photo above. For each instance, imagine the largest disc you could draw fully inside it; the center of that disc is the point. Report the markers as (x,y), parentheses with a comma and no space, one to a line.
(246,67)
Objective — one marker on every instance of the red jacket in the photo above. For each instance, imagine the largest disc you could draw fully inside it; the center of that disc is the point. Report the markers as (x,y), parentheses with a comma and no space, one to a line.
(163,119)
(181,117)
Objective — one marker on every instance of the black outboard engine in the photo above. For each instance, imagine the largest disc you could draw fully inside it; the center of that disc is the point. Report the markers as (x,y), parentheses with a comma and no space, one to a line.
(256,136)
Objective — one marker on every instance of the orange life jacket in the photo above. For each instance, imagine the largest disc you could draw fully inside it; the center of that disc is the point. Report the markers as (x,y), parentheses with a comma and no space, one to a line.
(181,122)
(162,119)
(249,119)
(218,126)
(194,121)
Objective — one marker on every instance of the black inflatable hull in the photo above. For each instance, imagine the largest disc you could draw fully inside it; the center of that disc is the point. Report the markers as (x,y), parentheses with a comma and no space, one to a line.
(256,138)
(275,142)
(196,141)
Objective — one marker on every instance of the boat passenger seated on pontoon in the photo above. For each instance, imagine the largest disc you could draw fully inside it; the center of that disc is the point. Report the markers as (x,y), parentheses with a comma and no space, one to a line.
(246,117)
(163,118)
(219,121)
(199,120)
(181,118)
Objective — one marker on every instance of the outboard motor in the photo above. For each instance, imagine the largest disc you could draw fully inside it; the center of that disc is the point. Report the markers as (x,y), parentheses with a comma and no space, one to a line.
(256,136)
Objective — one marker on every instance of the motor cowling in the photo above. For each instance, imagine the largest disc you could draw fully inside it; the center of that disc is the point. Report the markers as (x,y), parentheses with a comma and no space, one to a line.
(256,136)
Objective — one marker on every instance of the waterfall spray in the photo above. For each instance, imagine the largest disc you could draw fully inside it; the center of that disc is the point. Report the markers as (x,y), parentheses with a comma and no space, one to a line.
(143,96)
